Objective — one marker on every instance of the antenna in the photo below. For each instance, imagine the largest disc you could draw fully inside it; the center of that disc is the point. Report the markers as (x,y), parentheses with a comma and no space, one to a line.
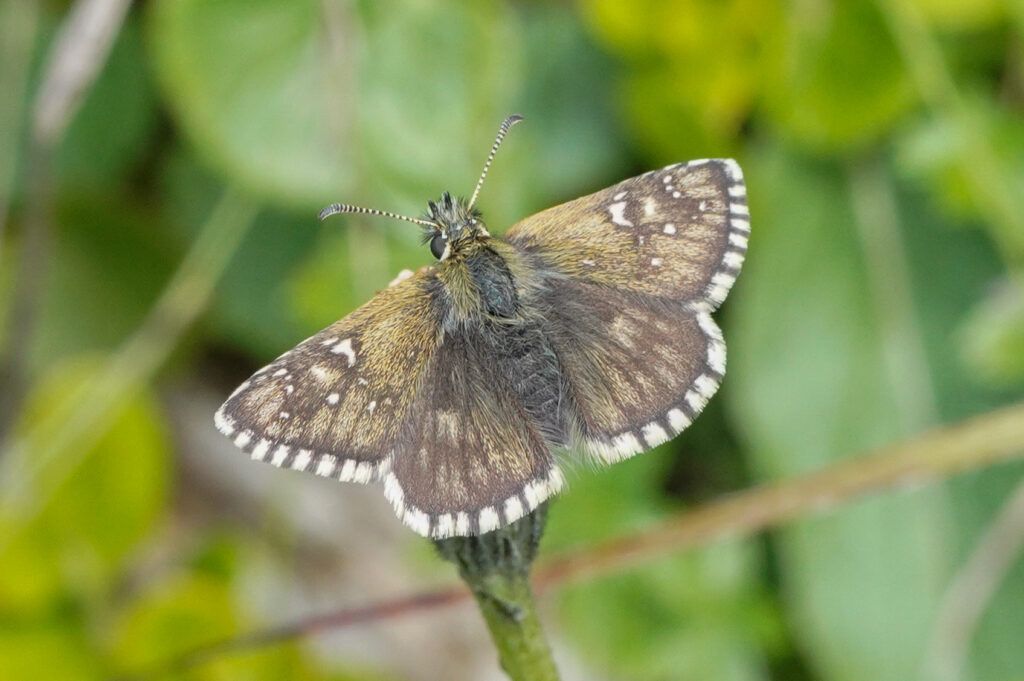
(336,208)
(506,125)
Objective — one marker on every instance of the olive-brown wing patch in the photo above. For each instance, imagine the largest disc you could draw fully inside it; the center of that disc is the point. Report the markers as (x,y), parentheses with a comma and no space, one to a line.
(334,404)
(678,233)
(638,369)
(469,459)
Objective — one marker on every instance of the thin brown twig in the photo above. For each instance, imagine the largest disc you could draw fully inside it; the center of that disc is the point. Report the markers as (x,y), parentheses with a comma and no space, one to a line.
(375,612)
(983,441)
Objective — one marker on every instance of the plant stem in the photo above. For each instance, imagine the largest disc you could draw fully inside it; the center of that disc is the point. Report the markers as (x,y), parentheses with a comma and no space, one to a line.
(496,567)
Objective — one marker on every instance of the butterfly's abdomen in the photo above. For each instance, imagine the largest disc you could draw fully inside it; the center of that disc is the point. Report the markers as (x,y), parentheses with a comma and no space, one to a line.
(525,358)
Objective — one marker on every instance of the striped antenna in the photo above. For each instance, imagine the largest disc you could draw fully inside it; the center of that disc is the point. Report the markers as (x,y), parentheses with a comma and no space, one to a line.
(502,131)
(336,208)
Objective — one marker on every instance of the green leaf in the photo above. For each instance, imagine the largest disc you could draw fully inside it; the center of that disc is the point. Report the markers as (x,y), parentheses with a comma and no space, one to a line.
(176,615)
(47,652)
(291,100)
(116,123)
(107,268)
(962,15)
(261,88)
(836,80)
(74,547)
(939,154)
(812,382)
(993,336)
(696,69)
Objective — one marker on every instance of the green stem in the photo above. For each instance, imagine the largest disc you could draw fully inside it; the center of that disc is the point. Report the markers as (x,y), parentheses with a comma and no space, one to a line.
(496,567)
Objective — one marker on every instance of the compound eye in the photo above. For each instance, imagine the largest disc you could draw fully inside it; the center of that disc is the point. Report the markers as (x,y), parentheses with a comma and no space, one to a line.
(439,247)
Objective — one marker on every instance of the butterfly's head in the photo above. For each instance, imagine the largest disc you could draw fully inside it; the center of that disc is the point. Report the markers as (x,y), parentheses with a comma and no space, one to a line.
(454,226)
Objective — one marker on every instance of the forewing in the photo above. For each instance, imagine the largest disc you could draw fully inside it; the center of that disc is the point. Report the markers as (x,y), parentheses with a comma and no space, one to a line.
(334,404)
(469,459)
(638,369)
(679,233)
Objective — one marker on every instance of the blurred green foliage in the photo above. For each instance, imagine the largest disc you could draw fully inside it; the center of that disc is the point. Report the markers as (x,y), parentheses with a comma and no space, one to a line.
(882,295)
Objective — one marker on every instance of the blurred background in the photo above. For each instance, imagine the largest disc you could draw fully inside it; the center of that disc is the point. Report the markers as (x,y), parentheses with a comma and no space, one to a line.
(159,242)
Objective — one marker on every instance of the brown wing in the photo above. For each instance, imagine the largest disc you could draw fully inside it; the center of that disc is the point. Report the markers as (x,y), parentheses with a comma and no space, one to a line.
(334,404)
(471,459)
(678,233)
(638,369)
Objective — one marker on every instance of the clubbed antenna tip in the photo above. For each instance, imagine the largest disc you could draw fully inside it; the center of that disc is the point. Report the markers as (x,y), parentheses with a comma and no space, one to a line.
(506,125)
(336,208)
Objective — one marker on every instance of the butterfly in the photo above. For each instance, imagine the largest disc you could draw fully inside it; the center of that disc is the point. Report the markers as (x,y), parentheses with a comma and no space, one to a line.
(585,330)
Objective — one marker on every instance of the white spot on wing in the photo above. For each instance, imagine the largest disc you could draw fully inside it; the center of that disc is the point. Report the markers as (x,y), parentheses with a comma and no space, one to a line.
(733,259)
(678,419)
(347,471)
(417,520)
(280,454)
(363,472)
(656,262)
(333,398)
(555,480)
(345,348)
(732,169)
(326,465)
(302,460)
(260,451)
(695,400)
(400,277)
(530,492)
(513,509)
(223,422)
(670,229)
(706,386)
(618,211)
(716,346)
(243,438)
(654,434)
(371,406)
(445,526)
(488,519)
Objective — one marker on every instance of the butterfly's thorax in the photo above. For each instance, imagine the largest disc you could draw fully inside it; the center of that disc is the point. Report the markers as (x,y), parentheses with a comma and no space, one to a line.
(489,287)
